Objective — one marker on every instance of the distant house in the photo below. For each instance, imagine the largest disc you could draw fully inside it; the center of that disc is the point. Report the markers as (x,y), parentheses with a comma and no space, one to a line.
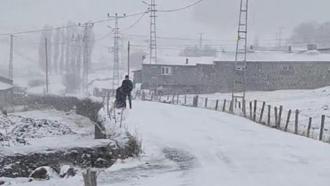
(218,77)
(6,92)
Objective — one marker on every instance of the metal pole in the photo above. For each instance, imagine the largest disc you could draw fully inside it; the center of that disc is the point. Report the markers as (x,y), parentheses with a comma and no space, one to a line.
(128,58)
(46,60)
(11,58)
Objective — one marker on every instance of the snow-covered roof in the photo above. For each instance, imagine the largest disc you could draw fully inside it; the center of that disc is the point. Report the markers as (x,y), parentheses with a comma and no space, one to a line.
(180,60)
(5,86)
(264,56)
(277,56)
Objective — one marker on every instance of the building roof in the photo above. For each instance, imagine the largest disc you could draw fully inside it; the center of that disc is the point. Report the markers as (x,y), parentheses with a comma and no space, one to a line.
(279,56)
(5,86)
(5,83)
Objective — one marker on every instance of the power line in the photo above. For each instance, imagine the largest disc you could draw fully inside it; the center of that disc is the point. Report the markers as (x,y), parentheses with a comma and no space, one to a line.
(136,22)
(182,8)
(54,28)
(69,26)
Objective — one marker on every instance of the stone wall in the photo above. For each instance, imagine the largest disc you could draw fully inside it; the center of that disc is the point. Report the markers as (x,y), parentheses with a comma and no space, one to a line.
(101,156)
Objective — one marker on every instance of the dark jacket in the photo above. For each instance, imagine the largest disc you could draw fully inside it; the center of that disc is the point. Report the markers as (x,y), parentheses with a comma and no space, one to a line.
(120,98)
(127,86)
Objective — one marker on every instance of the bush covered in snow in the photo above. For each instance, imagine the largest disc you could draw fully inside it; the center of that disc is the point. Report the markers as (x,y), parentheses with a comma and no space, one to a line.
(18,130)
(39,128)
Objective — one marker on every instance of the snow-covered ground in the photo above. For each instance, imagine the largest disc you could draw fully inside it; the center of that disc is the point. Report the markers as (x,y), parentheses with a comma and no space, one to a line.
(310,103)
(194,147)
(45,129)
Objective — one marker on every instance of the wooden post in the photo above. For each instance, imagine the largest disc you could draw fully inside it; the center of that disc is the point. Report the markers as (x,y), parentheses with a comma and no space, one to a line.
(262,111)
(224,106)
(217,105)
(255,110)
(276,118)
(287,121)
(309,126)
(185,99)
(322,127)
(173,97)
(90,178)
(177,99)
(143,96)
(206,99)
(108,105)
(250,110)
(279,117)
(296,122)
(244,108)
(269,114)
(231,107)
(195,101)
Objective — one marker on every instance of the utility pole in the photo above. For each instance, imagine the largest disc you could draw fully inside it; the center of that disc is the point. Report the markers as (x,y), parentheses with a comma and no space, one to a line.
(46,61)
(153,32)
(11,58)
(86,56)
(240,66)
(279,37)
(116,37)
(128,57)
(201,40)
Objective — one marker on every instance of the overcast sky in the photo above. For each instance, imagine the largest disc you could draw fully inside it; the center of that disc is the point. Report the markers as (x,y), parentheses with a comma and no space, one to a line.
(215,18)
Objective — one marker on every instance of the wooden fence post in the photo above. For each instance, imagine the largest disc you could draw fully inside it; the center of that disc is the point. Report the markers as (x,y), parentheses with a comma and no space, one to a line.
(322,127)
(269,114)
(217,105)
(206,100)
(309,126)
(279,117)
(276,118)
(296,122)
(108,105)
(231,107)
(195,101)
(255,110)
(244,107)
(173,98)
(262,111)
(90,178)
(250,110)
(177,99)
(287,121)
(185,99)
(224,106)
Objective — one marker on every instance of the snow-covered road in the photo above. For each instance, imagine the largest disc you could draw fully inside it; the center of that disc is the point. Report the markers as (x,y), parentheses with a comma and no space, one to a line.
(186,146)
(196,147)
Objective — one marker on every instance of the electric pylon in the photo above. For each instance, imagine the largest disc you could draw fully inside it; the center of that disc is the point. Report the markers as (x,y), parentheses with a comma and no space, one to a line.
(240,67)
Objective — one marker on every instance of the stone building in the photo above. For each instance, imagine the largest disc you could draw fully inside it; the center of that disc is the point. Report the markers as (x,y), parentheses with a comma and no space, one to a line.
(217,77)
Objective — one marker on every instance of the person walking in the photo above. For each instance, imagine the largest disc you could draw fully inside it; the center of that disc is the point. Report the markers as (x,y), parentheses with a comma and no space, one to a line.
(127,87)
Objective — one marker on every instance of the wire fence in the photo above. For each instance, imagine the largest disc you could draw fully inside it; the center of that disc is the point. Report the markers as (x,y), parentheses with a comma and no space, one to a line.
(274,116)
